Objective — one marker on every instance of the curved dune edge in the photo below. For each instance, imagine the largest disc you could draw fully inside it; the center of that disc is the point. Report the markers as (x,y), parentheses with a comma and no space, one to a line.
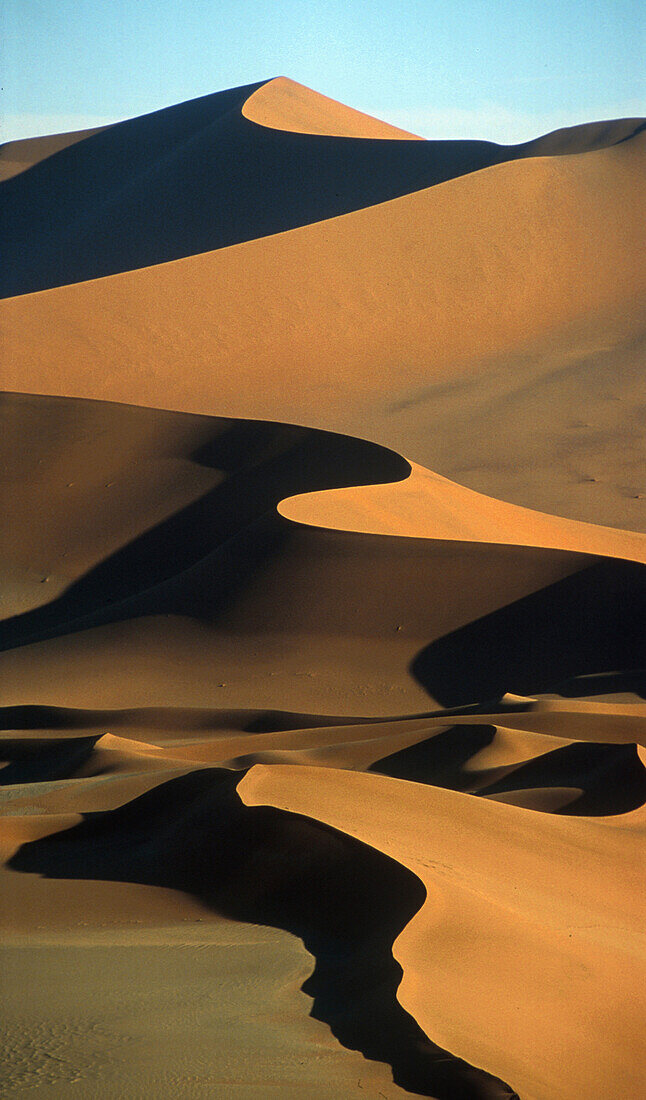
(283,104)
(246,182)
(515,813)
(475,913)
(212,564)
(264,331)
(99,481)
(146,779)
(427,505)
(584,138)
(17,156)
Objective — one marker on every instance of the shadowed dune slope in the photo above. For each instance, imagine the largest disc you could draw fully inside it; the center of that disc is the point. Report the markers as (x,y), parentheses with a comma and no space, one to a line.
(270,327)
(18,156)
(119,198)
(464,842)
(473,916)
(321,774)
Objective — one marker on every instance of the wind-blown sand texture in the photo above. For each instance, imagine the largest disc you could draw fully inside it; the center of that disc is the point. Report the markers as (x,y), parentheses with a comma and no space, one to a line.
(323,605)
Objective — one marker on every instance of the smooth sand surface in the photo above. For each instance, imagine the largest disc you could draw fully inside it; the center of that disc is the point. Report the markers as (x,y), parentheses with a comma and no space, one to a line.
(572,972)
(172,1036)
(584,138)
(323,600)
(427,505)
(283,104)
(18,156)
(245,181)
(535,389)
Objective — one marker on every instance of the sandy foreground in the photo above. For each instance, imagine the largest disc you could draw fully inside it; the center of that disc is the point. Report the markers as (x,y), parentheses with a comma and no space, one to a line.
(323,601)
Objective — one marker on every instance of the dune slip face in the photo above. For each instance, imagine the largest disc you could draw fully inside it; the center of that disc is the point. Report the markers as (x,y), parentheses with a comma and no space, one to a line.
(323,591)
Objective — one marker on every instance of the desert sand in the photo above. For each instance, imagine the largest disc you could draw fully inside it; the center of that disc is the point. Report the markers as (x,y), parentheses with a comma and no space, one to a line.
(323,604)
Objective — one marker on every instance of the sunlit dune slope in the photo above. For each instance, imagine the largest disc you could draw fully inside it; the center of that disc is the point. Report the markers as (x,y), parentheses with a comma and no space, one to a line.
(283,104)
(309,326)
(209,590)
(477,949)
(426,505)
(18,156)
(119,199)
(335,765)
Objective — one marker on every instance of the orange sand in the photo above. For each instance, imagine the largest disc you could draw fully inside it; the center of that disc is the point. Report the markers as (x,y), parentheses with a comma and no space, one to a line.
(282,104)
(280,702)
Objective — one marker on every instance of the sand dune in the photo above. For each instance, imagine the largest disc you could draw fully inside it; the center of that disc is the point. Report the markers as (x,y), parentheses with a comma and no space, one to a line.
(425,505)
(322,773)
(585,138)
(245,182)
(283,104)
(562,252)
(471,917)
(18,156)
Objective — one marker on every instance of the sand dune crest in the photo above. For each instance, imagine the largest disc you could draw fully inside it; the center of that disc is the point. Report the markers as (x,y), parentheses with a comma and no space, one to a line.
(283,104)
(324,767)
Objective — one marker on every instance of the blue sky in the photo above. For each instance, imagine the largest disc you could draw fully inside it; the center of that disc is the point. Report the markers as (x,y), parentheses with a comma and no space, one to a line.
(503,71)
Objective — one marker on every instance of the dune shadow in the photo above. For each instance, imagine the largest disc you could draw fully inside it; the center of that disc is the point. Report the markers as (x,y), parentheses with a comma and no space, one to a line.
(610,777)
(346,901)
(263,463)
(118,199)
(197,720)
(628,682)
(591,623)
(439,760)
(38,761)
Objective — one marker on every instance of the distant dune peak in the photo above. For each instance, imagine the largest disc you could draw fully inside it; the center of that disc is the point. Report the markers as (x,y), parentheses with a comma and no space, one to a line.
(584,138)
(283,104)
(285,715)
